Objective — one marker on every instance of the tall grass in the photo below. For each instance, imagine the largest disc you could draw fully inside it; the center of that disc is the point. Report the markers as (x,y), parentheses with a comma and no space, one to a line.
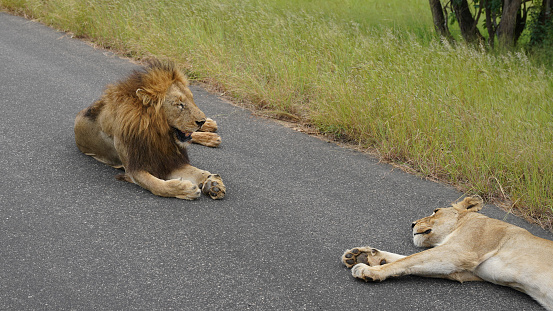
(366,71)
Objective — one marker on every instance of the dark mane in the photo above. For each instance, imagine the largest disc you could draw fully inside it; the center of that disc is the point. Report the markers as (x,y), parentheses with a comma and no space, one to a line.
(144,129)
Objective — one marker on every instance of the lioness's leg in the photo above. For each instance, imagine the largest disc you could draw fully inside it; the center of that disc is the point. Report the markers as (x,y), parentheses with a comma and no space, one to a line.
(92,141)
(210,184)
(206,136)
(368,255)
(437,262)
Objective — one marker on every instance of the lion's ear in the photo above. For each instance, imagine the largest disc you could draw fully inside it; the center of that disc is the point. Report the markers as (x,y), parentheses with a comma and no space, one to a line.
(145,96)
(471,204)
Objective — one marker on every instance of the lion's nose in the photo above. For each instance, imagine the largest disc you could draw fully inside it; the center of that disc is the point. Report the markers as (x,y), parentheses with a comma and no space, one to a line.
(413,225)
(200,123)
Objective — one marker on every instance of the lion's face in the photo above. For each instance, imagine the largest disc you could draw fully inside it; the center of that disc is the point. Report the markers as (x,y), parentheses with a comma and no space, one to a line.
(432,230)
(182,113)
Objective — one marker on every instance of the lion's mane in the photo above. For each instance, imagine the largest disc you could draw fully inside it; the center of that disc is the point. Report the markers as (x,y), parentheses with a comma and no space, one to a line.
(142,124)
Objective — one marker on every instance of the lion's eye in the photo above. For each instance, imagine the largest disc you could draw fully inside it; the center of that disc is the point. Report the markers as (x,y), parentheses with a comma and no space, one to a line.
(180,105)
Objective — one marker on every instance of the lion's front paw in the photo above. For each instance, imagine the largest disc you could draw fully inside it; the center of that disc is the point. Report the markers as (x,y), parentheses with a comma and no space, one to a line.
(183,189)
(367,255)
(365,272)
(214,187)
(353,256)
(209,126)
(361,271)
(206,139)
(357,270)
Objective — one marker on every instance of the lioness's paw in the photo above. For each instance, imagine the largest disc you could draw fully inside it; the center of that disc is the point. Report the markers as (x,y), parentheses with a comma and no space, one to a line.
(362,271)
(206,139)
(366,255)
(357,270)
(365,272)
(214,187)
(183,189)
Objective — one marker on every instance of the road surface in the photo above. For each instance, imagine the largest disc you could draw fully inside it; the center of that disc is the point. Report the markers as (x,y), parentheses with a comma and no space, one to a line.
(72,237)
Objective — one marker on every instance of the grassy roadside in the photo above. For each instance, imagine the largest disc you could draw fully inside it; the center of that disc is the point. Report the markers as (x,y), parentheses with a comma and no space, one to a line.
(364,71)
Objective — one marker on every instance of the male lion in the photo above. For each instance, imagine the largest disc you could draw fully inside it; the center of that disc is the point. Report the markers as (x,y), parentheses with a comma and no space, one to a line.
(468,246)
(143,124)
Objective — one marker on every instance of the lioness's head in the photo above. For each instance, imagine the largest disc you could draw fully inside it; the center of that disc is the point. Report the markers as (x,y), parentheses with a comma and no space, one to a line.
(165,88)
(432,230)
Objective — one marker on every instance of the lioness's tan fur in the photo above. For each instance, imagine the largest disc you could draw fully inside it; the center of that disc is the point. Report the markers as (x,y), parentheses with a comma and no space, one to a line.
(143,124)
(467,246)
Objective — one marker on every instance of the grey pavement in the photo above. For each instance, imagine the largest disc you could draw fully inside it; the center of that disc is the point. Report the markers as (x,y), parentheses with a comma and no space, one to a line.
(72,237)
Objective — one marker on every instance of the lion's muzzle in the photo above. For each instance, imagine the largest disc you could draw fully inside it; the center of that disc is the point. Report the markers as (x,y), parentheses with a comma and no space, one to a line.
(182,136)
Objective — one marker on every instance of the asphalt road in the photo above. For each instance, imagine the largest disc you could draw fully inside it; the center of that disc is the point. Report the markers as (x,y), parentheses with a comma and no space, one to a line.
(72,237)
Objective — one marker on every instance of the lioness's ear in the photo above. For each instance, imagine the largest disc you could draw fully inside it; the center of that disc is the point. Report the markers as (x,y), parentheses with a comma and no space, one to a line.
(145,96)
(471,204)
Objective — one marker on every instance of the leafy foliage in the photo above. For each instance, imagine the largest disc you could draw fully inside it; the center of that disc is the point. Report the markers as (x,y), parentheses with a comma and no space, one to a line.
(504,21)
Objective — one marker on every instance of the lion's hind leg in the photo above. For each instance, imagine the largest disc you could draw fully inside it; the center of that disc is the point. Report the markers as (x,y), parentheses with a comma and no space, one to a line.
(91,140)
(124,177)
(369,256)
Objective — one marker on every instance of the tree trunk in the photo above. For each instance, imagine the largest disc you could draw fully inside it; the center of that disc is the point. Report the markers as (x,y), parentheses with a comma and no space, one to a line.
(440,24)
(520,23)
(489,23)
(508,23)
(544,18)
(466,22)
(545,14)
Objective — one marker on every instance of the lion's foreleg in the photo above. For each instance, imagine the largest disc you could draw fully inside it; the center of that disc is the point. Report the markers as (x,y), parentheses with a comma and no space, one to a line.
(368,255)
(206,134)
(206,139)
(210,184)
(436,262)
(209,126)
(178,188)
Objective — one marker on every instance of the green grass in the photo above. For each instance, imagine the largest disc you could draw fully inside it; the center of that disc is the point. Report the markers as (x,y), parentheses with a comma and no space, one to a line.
(366,71)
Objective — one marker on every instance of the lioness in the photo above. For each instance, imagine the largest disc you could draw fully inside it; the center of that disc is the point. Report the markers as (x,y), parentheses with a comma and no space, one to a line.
(143,124)
(468,246)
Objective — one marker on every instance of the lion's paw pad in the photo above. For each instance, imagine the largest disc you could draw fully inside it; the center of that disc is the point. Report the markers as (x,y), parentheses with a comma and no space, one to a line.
(366,255)
(214,187)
